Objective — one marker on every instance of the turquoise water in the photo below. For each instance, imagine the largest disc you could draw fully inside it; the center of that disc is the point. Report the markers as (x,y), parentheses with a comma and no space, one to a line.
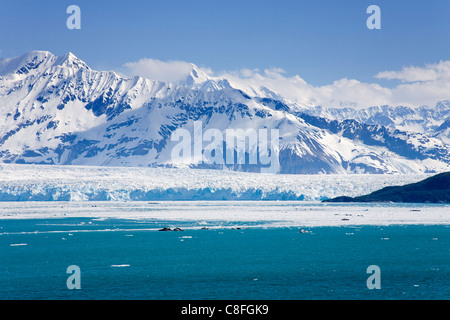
(130,259)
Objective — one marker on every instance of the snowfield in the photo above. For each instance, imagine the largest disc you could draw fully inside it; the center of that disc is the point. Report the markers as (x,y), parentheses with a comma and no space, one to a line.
(20,182)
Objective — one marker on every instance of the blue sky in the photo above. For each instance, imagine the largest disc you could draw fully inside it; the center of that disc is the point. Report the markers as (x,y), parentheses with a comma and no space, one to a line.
(320,40)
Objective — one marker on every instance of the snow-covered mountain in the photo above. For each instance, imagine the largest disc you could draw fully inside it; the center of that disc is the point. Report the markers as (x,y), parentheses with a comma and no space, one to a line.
(57,110)
(424,119)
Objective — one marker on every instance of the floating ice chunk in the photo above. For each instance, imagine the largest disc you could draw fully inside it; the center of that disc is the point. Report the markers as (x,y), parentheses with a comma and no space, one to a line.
(120,265)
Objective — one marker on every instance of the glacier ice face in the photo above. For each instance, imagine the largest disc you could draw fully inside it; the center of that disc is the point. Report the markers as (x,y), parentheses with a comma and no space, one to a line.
(82,183)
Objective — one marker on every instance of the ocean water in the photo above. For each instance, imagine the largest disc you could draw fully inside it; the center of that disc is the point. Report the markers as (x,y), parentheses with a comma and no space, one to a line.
(123,258)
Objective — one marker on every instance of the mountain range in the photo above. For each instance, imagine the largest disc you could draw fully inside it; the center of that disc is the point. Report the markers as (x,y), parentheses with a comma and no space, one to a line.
(57,110)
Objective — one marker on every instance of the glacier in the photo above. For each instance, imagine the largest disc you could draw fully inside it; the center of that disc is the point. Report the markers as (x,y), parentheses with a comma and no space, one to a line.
(27,182)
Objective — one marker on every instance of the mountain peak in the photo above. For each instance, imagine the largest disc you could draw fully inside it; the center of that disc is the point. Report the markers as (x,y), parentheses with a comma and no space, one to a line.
(27,63)
(195,76)
(199,79)
(69,60)
(38,61)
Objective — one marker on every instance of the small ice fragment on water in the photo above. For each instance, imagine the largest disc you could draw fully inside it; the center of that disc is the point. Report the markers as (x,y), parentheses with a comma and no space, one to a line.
(120,265)
(18,244)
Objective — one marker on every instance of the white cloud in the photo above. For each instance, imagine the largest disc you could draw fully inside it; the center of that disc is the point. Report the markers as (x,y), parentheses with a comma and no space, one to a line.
(431,72)
(167,71)
(341,93)
(421,93)
(253,81)
(420,85)
(350,92)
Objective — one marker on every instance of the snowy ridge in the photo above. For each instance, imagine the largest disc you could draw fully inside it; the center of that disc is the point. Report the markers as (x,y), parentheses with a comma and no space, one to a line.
(430,120)
(80,183)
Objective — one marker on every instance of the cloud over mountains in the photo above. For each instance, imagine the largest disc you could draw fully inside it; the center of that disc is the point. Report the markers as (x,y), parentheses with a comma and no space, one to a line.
(419,85)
